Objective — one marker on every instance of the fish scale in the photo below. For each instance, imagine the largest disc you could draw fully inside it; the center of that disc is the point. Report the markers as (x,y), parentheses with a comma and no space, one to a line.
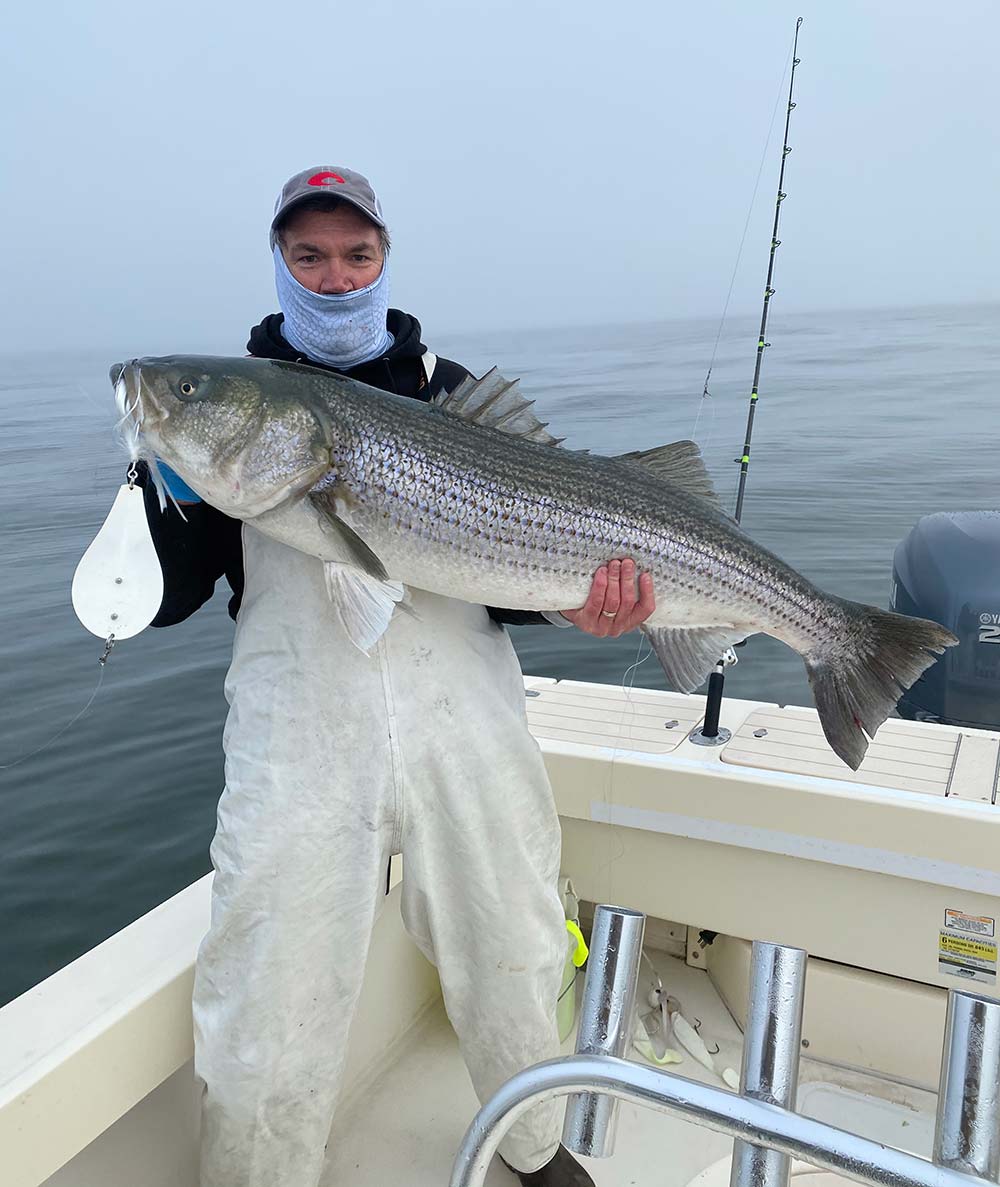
(535,511)
(473,499)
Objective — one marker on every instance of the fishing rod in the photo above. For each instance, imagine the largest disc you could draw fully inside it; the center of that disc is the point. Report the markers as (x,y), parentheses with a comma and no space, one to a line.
(762,345)
(710,734)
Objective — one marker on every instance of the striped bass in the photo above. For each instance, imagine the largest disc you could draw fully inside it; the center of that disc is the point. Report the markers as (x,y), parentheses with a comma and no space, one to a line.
(470,497)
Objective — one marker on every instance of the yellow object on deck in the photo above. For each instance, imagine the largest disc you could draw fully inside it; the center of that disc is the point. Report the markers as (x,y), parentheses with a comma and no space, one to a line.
(579,957)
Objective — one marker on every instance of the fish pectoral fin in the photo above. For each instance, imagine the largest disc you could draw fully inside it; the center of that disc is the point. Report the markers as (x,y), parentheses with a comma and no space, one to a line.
(362,602)
(688,654)
(327,503)
(495,403)
(679,463)
(359,586)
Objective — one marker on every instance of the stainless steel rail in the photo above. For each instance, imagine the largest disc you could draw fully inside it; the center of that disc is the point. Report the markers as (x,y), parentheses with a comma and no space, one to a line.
(606,1014)
(716,1108)
(761,1118)
(967,1134)
(770,1070)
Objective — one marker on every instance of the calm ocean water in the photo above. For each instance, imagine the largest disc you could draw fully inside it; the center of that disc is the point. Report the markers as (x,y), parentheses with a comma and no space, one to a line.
(867,421)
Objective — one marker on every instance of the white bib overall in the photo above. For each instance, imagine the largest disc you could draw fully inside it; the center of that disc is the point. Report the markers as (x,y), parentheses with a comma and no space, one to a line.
(334,761)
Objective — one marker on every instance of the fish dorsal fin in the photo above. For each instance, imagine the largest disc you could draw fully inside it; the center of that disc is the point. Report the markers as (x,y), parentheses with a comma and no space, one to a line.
(679,463)
(688,654)
(495,403)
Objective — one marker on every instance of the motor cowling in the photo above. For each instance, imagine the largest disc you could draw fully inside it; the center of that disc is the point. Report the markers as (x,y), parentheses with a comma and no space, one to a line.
(948,570)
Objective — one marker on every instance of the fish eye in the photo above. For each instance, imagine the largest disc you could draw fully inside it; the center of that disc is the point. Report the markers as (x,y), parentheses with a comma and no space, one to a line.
(187,387)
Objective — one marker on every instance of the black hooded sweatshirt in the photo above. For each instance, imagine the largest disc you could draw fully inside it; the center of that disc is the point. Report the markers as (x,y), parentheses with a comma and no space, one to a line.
(196,554)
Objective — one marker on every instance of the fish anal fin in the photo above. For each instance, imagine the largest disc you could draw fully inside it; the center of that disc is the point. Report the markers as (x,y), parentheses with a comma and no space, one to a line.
(688,654)
(495,403)
(679,463)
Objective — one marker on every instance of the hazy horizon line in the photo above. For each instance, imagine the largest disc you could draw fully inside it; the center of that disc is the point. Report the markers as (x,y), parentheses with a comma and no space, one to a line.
(561,326)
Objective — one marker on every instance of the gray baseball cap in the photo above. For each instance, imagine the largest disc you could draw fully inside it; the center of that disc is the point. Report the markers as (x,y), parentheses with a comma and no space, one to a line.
(333,180)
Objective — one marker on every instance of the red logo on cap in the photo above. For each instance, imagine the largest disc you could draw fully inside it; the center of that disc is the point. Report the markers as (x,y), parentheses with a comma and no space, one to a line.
(326,179)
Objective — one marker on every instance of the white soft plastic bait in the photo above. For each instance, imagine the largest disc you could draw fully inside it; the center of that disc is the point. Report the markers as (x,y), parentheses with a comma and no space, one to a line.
(692,1041)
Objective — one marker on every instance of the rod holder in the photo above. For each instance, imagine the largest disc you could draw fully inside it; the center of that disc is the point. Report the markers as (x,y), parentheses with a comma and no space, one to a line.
(771,1042)
(713,703)
(605,1023)
(967,1131)
(717,1109)
(711,733)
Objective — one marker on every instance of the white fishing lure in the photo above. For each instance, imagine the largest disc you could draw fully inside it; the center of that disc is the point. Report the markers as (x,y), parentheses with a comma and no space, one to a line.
(118,584)
(694,1044)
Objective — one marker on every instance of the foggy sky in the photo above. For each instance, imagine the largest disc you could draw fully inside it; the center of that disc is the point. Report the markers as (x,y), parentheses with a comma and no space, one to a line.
(538,163)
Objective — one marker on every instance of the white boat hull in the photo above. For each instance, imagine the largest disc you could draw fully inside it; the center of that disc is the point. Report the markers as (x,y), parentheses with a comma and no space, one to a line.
(767,837)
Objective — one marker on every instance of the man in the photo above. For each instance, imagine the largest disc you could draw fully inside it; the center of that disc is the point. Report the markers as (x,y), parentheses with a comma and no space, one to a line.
(336,760)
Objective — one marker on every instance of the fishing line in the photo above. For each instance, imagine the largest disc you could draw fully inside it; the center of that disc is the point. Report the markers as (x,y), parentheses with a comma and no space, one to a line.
(706,395)
(55,737)
(81,387)
(627,684)
(128,431)
(637,663)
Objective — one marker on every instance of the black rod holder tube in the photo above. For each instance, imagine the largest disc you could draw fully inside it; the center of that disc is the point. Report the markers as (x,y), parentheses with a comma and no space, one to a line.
(713,704)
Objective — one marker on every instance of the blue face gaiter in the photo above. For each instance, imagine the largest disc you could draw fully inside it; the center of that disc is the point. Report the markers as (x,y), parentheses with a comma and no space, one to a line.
(339,329)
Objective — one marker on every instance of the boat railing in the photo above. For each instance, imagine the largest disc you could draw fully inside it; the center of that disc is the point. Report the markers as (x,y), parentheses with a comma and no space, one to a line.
(761,1118)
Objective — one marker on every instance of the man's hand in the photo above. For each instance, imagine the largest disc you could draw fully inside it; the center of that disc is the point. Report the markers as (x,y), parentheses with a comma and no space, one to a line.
(612,607)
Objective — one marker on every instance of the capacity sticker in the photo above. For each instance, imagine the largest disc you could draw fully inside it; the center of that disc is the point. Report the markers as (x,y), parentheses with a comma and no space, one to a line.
(976,925)
(971,957)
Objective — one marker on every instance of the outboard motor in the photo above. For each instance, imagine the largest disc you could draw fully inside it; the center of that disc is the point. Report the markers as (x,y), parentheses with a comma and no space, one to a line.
(948,570)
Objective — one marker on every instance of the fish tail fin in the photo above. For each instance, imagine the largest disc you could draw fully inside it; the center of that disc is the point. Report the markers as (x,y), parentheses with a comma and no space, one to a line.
(858,678)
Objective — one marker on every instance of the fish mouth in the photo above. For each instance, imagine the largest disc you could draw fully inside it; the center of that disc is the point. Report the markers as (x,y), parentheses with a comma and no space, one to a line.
(137,417)
(137,410)
(125,378)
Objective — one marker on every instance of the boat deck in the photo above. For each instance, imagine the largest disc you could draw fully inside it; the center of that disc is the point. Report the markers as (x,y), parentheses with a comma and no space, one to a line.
(923,757)
(404,1126)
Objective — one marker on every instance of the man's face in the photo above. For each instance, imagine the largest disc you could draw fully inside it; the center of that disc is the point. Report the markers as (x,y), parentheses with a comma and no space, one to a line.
(332,251)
